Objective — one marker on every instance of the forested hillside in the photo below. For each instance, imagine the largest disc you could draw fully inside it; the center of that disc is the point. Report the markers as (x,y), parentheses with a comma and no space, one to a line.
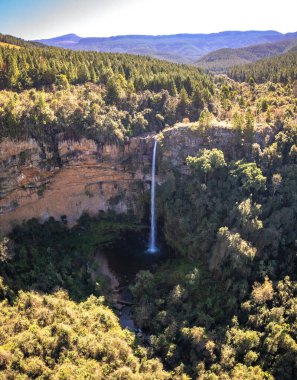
(107,97)
(280,69)
(27,68)
(11,40)
(222,59)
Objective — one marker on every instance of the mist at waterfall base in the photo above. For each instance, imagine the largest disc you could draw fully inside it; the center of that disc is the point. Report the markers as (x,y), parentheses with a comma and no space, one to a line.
(152,248)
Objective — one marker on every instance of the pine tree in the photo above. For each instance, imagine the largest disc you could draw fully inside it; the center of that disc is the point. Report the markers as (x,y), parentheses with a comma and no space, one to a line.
(237,125)
(13,72)
(183,103)
(113,91)
(197,99)
(83,74)
(172,88)
(249,127)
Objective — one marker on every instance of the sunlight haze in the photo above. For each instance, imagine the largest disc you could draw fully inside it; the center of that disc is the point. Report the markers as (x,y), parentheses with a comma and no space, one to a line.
(35,19)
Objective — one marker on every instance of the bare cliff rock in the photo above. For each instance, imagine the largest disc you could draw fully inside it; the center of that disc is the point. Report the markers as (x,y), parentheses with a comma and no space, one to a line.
(32,187)
(117,178)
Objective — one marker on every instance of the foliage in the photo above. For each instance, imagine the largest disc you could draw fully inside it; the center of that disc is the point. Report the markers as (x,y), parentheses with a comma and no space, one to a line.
(50,255)
(52,337)
(208,161)
(189,315)
(279,69)
(34,67)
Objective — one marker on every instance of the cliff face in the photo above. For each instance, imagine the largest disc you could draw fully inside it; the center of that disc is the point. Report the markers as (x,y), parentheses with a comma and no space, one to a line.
(32,187)
(118,179)
(185,140)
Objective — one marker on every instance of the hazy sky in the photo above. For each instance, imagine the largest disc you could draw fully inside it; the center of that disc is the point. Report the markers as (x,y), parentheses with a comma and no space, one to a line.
(33,19)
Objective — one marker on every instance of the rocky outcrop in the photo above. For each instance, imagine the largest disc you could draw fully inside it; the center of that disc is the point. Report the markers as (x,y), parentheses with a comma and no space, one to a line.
(183,140)
(32,187)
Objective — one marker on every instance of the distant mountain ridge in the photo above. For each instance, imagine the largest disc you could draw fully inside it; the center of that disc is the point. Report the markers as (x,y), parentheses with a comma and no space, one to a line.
(181,48)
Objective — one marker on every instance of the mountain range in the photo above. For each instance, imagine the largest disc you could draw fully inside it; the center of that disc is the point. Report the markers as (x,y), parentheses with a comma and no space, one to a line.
(181,48)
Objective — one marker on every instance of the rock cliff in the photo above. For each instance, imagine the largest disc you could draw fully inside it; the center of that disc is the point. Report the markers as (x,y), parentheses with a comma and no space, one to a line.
(117,179)
(32,187)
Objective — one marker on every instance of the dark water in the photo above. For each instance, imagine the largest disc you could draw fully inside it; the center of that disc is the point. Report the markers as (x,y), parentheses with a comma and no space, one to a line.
(128,257)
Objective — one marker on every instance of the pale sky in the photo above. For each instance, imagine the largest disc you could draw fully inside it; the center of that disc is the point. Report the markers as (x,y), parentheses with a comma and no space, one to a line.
(35,19)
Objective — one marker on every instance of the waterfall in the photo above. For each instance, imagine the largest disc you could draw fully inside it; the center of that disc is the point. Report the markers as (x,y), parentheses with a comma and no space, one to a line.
(152,243)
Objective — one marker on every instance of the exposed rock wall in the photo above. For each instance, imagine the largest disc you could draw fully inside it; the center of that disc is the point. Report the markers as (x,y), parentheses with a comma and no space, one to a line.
(31,187)
(118,178)
(186,140)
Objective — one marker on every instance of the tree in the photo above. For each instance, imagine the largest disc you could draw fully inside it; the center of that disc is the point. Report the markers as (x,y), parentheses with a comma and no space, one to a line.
(13,72)
(268,116)
(276,182)
(113,91)
(207,161)
(104,128)
(249,176)
(197,99)
(231,249)
(225,96)
(237,125)
(247,219)
(172,87)
(62,82)
(83,74)
(6,249)
(205,119)
(249,127)
(183,103)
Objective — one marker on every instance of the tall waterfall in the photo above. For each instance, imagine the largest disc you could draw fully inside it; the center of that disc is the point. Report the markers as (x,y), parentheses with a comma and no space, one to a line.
(152,243)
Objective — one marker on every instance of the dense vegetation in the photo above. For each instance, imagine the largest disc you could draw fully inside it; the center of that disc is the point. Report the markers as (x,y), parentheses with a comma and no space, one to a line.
(107,97)
(52,337)
(67,333)
(232,217)
(279,69)
(225,308)
(236,222)
(106,115)
(185,310)
(26,68)
(49,256)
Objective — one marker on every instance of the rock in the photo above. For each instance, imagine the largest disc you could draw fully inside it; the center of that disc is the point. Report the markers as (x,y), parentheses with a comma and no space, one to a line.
(33,188)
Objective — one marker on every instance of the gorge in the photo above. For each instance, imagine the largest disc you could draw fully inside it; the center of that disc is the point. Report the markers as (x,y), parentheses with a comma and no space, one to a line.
(148,217)
(118,180)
